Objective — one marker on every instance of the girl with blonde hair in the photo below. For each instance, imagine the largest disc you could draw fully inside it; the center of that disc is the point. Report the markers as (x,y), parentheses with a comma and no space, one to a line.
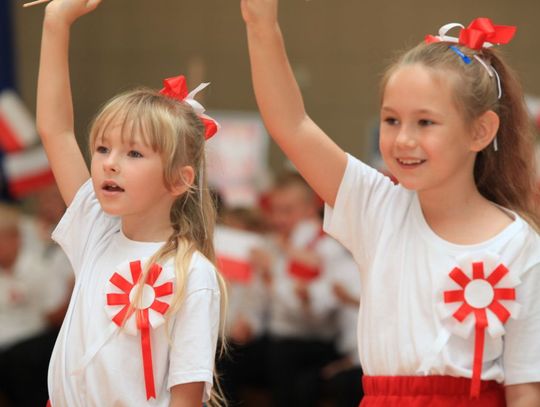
(144,319)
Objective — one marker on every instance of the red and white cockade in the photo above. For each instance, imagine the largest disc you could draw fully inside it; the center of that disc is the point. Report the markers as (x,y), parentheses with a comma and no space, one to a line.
(122,306)
(479,295)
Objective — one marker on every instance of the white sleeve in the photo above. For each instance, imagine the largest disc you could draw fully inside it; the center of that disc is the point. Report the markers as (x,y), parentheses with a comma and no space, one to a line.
(83,224)
(195,332)
(521,355)
(194,340)
(366,203)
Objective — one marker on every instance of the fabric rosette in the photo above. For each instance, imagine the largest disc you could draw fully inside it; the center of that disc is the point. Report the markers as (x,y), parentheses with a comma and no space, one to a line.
(134,309)
(477,296)
(477,287)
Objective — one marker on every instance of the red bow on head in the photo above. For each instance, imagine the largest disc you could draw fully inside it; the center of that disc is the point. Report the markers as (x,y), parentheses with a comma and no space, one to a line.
(480,33)
(176,88)
(483,30)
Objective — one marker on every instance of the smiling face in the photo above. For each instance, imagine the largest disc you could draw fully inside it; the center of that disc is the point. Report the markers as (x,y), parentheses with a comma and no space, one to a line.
(424,140)
(127,175)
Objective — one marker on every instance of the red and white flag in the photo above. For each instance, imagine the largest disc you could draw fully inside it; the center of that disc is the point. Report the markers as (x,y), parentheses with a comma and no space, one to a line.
(17,126)
(233,252)
(27,171)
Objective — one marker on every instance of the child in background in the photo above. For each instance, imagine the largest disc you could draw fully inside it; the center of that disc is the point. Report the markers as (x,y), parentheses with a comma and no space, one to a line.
(448,254)
(341,375)
(237,235)
(32,291)
(144,317)
(302,308)
(235,238)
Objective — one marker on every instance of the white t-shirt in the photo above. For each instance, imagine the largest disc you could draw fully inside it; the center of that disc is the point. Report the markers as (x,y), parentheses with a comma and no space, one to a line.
(95,363)
(405,266)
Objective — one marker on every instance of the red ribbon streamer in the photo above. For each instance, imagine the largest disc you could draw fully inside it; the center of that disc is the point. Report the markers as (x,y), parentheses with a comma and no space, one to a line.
(142,318)
(144,325)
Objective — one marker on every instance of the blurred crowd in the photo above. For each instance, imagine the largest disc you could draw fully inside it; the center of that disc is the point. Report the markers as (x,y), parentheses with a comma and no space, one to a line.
(293,294)
(35,286)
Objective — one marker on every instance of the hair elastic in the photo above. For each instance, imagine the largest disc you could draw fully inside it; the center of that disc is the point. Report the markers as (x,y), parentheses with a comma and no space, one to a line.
(464,57)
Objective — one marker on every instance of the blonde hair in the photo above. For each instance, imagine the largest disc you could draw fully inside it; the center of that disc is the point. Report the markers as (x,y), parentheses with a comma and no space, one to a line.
(507,176)
(172,129)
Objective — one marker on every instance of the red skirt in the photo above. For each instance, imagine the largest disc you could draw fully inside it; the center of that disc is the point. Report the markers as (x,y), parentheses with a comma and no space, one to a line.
(428,391)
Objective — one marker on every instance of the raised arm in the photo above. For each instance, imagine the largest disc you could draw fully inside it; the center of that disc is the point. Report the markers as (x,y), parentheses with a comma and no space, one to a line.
(320,161)
(54,103)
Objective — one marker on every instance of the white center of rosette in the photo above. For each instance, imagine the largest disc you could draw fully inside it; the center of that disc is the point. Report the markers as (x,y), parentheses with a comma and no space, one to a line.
(479,293)
(147,298)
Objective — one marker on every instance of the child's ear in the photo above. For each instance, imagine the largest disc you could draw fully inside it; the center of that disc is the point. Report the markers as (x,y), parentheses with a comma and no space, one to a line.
(185,178)
(485,129)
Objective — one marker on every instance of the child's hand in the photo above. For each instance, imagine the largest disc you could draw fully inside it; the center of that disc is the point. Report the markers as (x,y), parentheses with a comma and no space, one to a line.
(259,11)
(67,11)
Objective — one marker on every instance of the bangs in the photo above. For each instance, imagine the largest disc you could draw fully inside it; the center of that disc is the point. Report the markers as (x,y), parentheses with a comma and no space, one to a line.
(140,117)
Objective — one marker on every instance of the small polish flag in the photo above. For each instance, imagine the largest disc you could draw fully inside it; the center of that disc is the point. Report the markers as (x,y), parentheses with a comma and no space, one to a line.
(306,235)
(233,252)
(27,170)
(17,127)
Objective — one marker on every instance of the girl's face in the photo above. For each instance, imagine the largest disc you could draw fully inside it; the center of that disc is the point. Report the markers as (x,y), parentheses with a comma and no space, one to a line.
(424,139)
(128,178)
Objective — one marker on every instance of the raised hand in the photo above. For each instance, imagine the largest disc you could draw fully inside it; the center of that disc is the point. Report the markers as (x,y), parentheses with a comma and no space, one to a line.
(259,11)
(68,11)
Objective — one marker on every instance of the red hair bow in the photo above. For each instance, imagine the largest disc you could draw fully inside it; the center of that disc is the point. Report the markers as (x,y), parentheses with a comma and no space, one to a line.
(481,33)
(176,88)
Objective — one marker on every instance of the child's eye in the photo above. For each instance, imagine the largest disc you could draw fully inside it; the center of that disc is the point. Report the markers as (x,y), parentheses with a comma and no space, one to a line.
(134,154)
(102,150)
(391,121)
(425,122)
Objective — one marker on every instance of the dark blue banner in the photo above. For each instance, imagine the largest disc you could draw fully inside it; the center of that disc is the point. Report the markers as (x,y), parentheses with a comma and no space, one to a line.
(7,79)
(7,75)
